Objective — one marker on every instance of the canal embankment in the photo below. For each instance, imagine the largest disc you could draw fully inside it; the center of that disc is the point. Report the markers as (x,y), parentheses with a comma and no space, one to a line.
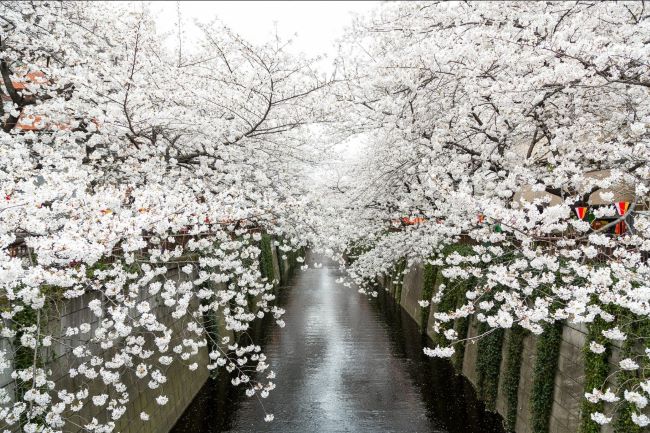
(536,383)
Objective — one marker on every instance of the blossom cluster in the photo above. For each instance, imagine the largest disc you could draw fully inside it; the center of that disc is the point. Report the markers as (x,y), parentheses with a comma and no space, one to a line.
(521,130)
(136,184)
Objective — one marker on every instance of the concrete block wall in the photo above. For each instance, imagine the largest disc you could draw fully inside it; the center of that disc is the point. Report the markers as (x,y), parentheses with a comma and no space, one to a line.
(471,353)
(569,381)
(412,292)
(502,403)
(569,378)
(525,390)
(181,386)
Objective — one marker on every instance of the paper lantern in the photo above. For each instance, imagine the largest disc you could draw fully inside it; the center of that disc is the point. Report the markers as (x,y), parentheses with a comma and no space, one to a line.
(622,207)
(581,211)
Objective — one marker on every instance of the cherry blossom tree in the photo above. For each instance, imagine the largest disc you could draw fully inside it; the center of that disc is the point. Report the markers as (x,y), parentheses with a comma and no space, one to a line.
(507,127)
(122,161)
(492,125)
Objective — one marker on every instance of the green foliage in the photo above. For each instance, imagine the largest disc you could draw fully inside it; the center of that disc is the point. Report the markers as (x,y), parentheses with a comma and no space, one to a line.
(98,266)
(452,298)
(354,251)
(623,422)
(287,266)
(24,357)
(281,267)
(398,275)
(266,258)
(510,384)
(488,364)
(430,273)
(596,371)
(462,326)
(462,249)
(548,351)
(447,303)
(636,327)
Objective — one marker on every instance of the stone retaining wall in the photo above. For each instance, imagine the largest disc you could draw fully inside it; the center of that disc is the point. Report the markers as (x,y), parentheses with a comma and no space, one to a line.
(181,386)
(569,379)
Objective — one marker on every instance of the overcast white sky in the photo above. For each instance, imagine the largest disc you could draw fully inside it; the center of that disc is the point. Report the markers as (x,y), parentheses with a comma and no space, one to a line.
(317,23)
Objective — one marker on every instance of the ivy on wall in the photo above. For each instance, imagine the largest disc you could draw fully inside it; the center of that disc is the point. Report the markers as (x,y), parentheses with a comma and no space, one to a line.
(512,369)
(398,280)
(430,274)
(488,364)
(266,258)
(548,351)
(211,326)
(449,298)
(25,357)
(453,297)
(286,266)
(635,327)
(596,371)
(462,327)
(281,267)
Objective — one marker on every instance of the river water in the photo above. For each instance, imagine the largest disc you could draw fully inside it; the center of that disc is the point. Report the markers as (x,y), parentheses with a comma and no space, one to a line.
(344,364)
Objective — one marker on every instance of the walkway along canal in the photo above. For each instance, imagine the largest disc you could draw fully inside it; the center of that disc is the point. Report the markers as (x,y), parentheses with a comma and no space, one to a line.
(344,364)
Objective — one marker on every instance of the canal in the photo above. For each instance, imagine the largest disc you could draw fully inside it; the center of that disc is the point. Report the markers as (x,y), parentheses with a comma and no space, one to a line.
(344,364)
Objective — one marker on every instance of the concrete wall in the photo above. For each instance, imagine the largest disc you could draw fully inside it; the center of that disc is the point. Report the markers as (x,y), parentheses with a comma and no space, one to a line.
(181,386)
(569,378)
(471,354)
(525,390)
(412,292)
(569,381)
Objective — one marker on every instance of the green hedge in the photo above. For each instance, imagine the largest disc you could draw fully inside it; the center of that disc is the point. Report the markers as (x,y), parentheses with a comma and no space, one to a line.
(548,351)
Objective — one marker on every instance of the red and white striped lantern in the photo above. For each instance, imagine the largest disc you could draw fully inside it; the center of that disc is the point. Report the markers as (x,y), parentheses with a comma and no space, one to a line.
(622,207)
(581,211)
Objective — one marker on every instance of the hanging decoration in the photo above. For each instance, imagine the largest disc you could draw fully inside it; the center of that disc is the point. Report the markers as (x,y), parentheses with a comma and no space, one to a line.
(621,208)
(581,211)
(409,221)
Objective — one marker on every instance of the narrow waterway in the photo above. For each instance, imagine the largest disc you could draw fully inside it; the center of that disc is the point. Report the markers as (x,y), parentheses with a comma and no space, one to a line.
(344,364)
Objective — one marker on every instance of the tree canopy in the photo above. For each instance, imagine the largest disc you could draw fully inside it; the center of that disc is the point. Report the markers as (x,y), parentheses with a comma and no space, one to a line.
(519,129)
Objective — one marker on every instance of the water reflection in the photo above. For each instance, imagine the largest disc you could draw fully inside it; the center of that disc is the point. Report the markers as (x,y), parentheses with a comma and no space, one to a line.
(344,365)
